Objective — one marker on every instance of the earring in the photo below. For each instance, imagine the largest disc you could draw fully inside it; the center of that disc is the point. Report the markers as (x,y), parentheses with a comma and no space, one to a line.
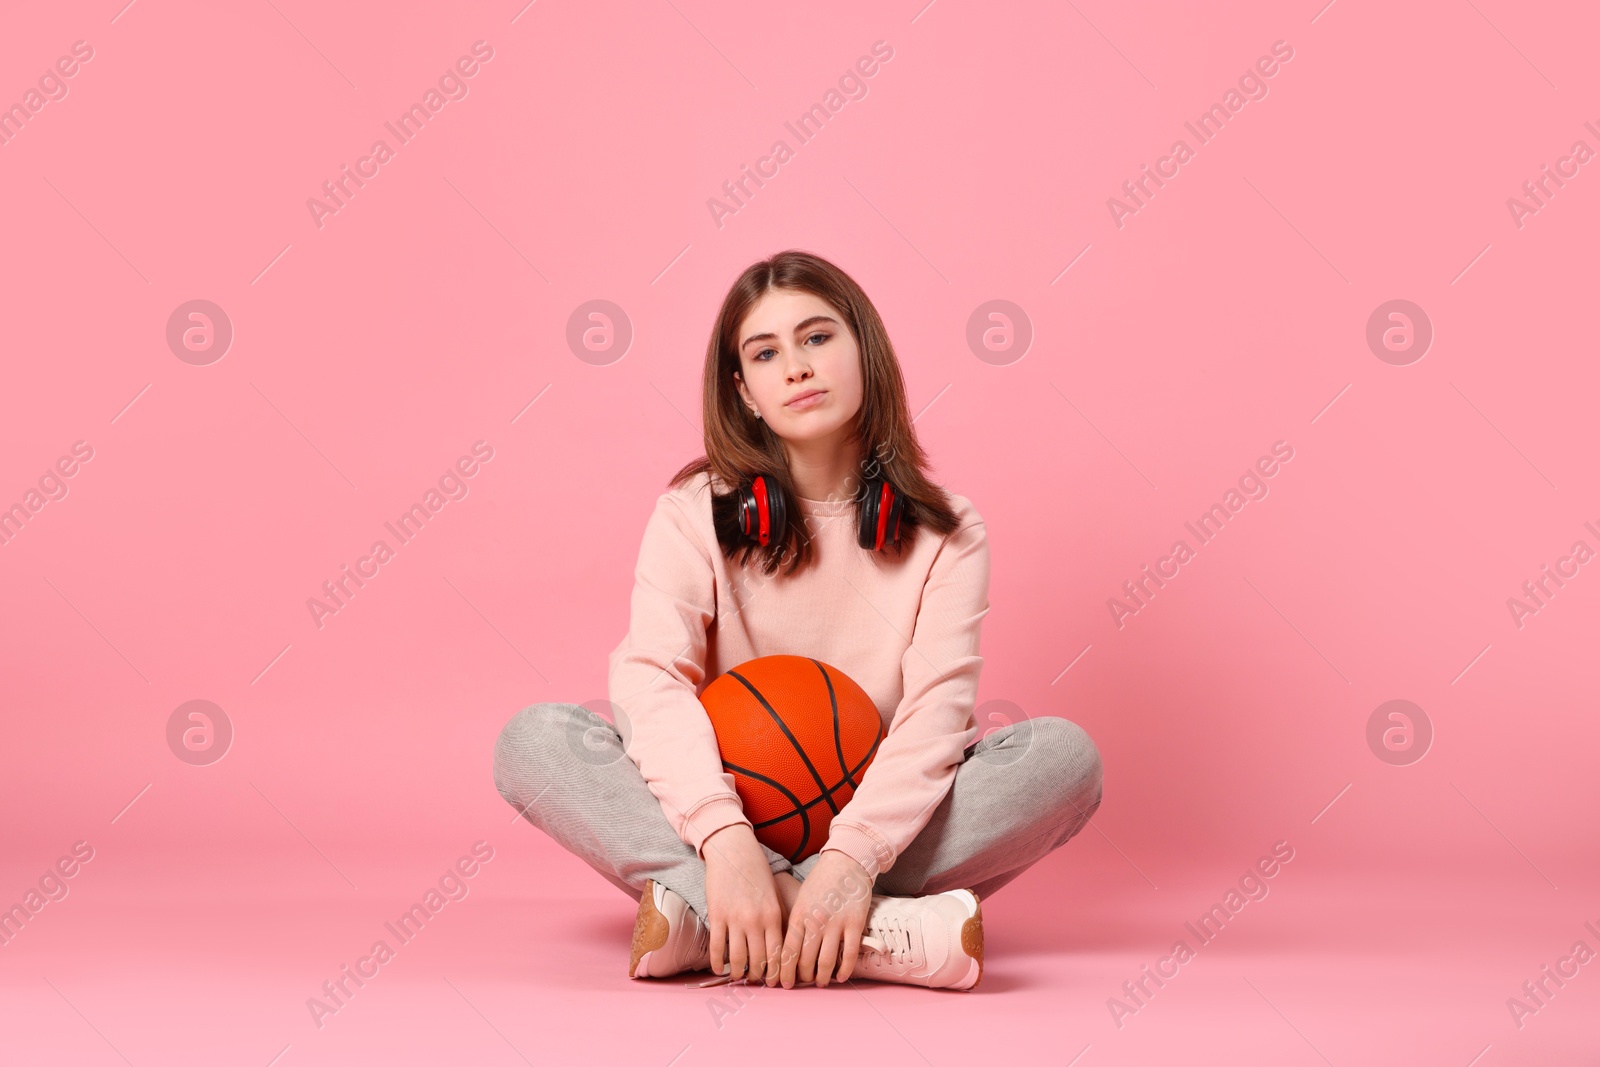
(756,413)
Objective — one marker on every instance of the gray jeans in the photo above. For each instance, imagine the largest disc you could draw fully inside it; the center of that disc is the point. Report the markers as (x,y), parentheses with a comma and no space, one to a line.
(1024,790)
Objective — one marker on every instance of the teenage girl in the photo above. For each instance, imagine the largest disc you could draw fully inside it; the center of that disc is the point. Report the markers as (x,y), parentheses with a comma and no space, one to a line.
(810,528)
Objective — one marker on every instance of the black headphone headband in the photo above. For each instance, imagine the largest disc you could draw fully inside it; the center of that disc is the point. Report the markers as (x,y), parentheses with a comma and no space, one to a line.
(764,513)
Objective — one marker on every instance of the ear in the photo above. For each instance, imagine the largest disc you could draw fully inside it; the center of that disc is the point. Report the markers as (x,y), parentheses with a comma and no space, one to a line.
(744,391)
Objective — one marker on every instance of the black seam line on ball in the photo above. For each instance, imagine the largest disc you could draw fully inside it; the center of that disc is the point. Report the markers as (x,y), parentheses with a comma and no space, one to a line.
(799,807)
(868,757)
(792,740)
(833,702)
(805,819)
(784,818)
(807,806)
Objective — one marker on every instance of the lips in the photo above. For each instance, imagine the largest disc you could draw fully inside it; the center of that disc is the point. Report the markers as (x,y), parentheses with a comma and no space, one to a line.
(802,396)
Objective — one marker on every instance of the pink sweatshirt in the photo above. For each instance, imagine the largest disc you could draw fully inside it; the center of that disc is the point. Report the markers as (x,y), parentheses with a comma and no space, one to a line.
(906,631)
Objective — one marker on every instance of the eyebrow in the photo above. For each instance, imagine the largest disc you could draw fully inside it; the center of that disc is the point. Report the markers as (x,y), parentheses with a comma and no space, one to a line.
(801,328)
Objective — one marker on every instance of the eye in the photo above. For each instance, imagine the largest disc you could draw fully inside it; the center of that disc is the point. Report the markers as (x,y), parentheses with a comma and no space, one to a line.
(763,356)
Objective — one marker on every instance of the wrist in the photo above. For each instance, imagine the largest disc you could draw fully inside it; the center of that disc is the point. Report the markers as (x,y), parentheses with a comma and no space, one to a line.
(709,816)
(864,846)
(721,838)
(840,855)
(850,870)
(743,826)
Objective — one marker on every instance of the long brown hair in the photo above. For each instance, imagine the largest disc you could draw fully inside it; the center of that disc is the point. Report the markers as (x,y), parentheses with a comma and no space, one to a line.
(737,446)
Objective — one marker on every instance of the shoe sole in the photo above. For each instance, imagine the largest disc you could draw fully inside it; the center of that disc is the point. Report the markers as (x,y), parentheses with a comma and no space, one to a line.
(650,929)
(972,940)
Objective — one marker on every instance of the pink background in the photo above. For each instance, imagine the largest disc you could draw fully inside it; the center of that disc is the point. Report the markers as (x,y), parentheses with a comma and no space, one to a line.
(1167,354)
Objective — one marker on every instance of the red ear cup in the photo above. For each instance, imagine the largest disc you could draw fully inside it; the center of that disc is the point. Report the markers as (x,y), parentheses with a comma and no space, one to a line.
(762,515)
(881,511)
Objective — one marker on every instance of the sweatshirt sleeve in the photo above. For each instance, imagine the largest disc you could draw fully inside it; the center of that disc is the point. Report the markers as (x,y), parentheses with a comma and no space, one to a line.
(655,673)
(916,762)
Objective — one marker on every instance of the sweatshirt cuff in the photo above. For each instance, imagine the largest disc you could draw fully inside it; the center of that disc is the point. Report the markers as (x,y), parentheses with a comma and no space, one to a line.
(709,817)
(861,845)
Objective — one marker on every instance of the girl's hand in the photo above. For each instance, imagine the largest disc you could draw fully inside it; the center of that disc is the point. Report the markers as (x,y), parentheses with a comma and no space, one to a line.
(746,920)
(828,916)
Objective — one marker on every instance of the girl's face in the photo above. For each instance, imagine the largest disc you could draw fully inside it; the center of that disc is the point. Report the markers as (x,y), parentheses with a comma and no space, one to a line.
(792,343)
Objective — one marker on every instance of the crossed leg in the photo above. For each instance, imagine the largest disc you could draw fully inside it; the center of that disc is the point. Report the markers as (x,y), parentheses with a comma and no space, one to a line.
(1024,790)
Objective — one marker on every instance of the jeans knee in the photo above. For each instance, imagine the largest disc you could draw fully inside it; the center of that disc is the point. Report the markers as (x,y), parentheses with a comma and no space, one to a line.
(523,740)
(533,722)
(551,745)
(1074,757)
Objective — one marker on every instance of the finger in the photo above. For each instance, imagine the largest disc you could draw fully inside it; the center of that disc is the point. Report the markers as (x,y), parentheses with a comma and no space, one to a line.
(794,940)
(852,948)
(808,951)
(719,937)
(758,955)
(790,957)
(774,954)
(738,953)
(827,955)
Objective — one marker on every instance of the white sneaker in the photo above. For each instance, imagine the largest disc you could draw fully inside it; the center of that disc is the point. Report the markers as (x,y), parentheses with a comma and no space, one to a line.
(668,936)
(934,941)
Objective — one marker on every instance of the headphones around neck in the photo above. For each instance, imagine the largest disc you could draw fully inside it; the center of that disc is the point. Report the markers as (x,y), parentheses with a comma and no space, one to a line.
(764,513)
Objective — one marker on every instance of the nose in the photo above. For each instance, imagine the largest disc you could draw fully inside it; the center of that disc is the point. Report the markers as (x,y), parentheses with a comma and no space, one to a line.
(796,367)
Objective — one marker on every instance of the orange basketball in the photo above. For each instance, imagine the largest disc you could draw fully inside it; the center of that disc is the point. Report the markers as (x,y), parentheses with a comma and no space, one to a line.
(797,735)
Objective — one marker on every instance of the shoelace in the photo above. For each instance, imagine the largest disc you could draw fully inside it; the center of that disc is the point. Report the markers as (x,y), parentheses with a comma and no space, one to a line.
(895,942)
